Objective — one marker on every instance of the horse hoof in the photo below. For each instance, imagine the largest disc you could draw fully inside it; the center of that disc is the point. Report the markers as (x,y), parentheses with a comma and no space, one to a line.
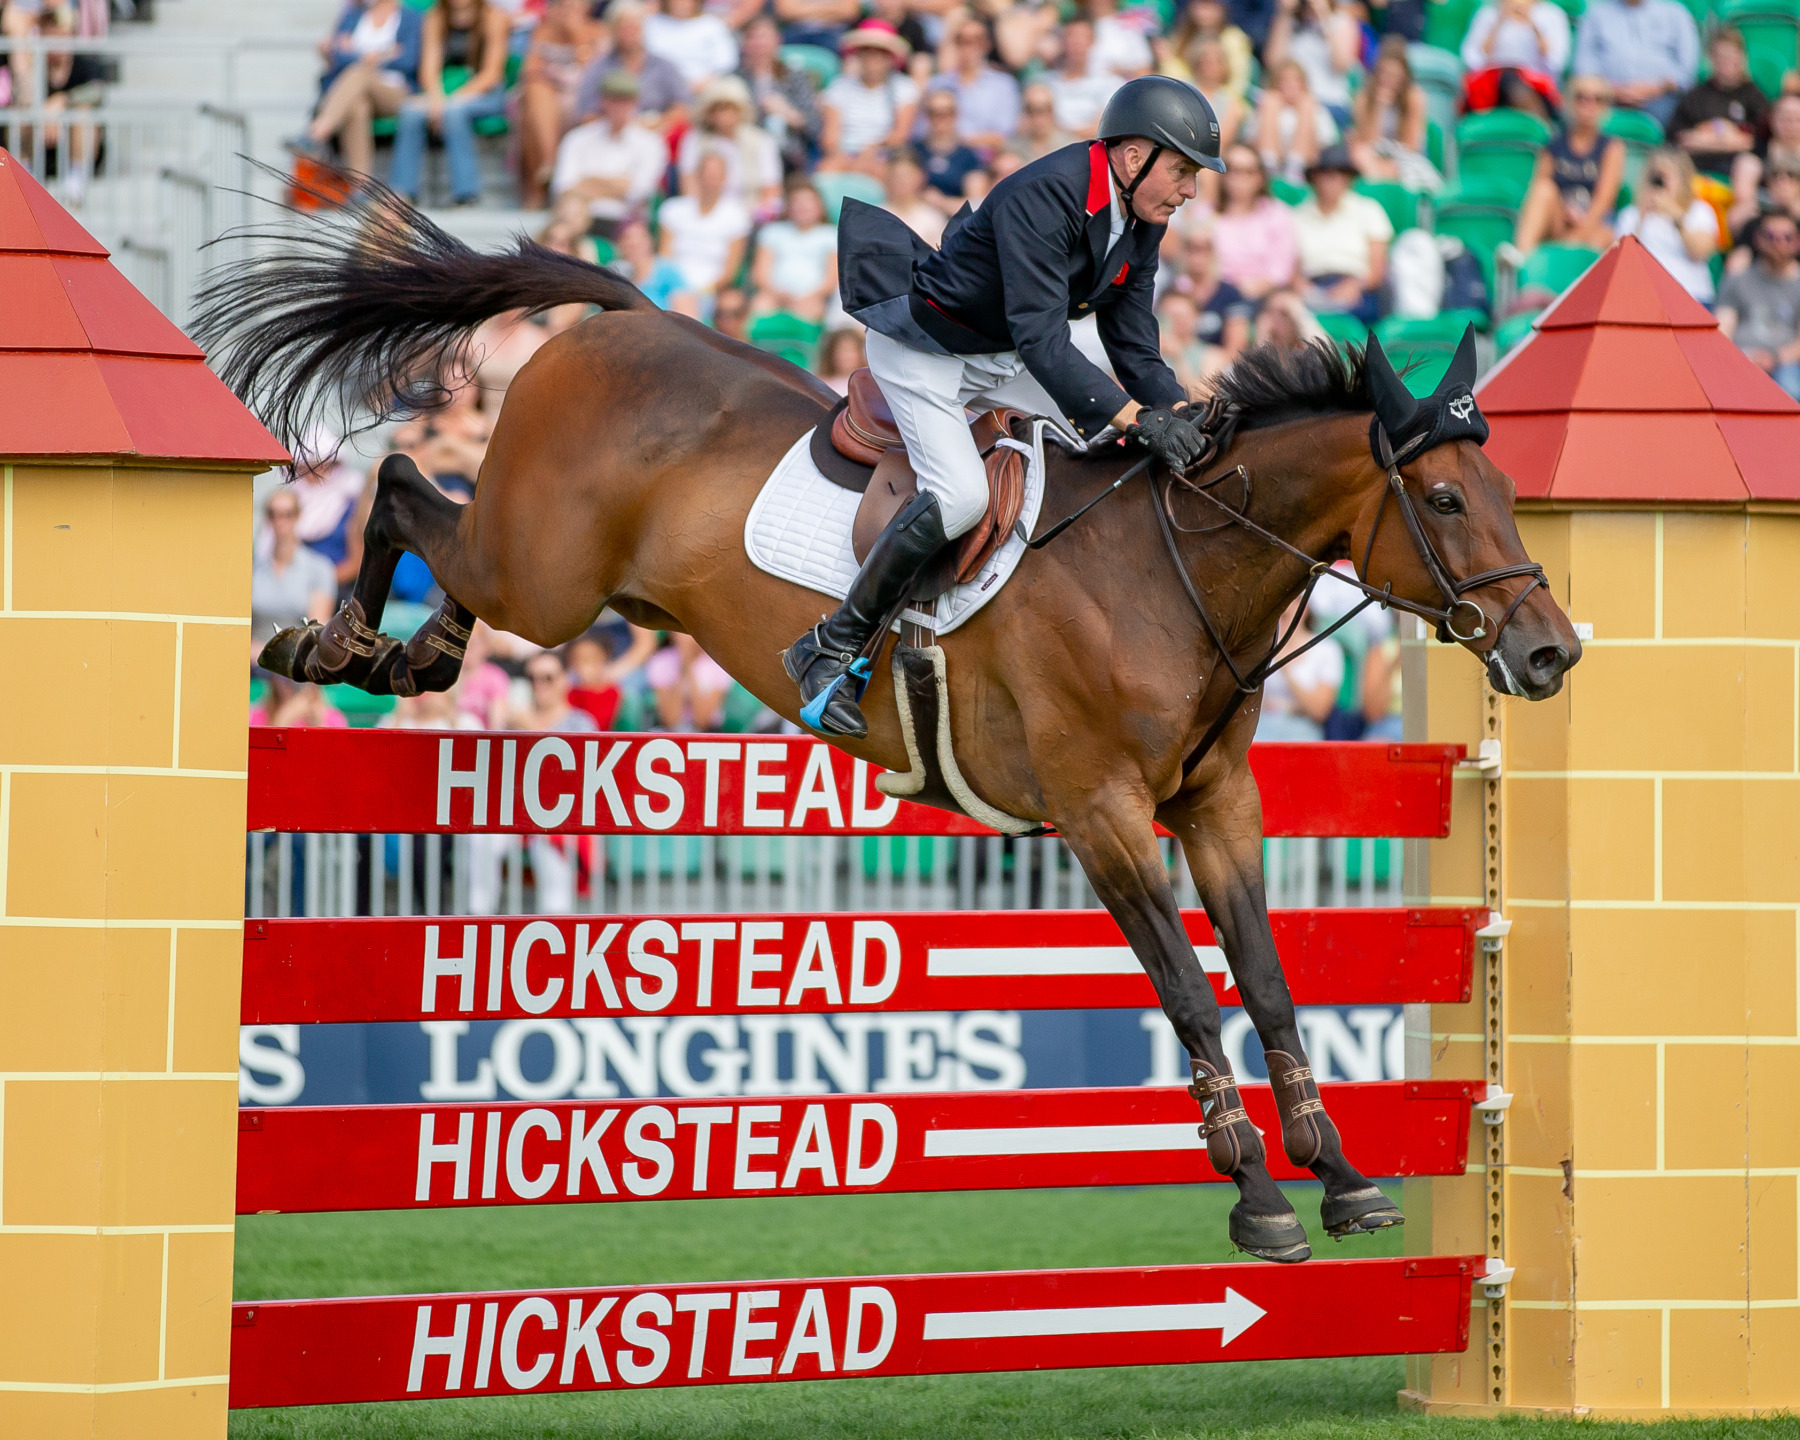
(1281,1238)
(287,653)
(1360,1212)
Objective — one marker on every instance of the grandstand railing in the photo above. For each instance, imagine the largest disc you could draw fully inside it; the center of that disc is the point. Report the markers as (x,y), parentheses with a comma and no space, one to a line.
(330,875)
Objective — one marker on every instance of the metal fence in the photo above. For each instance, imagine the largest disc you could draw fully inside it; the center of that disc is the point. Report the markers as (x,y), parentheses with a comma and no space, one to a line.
(154,172)
(319,875)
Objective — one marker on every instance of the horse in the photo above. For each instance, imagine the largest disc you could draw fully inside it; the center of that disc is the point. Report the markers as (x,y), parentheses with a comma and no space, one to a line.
(1112,683)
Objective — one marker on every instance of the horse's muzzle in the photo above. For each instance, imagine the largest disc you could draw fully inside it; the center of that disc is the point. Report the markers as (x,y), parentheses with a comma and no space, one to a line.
(1516,666)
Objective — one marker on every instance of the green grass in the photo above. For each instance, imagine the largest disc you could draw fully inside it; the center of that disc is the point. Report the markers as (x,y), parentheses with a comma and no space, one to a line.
(292,1256)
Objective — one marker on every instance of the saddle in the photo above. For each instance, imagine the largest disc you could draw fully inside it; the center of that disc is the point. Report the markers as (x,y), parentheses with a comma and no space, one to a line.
(862,430)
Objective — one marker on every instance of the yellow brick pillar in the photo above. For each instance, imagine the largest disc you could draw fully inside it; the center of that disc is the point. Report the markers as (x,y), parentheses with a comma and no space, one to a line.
(125,471)
(1645,832)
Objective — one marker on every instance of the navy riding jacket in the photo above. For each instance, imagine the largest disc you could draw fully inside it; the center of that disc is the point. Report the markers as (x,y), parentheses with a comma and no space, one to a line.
(1012,274)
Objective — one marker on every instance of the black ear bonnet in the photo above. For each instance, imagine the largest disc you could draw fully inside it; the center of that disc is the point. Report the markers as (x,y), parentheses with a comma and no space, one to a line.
(1417,425)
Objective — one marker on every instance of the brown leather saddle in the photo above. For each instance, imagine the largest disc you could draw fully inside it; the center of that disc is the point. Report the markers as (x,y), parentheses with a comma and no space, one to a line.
(861,431)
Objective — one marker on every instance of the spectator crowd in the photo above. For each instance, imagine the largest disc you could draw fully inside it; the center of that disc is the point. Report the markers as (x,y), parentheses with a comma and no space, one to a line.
(1404,167)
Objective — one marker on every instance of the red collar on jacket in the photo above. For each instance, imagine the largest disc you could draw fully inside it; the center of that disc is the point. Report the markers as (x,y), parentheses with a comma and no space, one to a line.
(1099,182)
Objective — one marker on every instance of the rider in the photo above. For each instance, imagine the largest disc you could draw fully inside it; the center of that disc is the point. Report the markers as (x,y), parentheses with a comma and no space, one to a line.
(984,323)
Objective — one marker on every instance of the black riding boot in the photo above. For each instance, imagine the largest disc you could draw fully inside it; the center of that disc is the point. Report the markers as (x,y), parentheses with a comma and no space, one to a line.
(827,662)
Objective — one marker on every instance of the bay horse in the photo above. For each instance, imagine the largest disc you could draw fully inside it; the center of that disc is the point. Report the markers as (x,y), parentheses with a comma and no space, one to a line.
(625,460)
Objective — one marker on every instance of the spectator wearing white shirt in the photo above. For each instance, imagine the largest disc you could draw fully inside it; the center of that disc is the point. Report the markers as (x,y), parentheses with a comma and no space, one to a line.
(1342,238)
(795,268)
(614,164)
(1326,40)
(1518,35)
(1121,43)
(1290,127)
(1079,87)
(704,234)
(752,159)
(1677,227)
(869,108)
(1298,698)
(698,44)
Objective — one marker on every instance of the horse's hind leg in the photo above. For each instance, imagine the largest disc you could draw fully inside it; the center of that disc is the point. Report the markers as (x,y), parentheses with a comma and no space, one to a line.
(1222,837)
(409,513)
(1113,839)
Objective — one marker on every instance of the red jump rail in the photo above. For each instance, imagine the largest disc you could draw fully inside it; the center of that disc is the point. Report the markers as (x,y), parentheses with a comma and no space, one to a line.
(424,1347)
(423,968)
(439,782)
(405,1157)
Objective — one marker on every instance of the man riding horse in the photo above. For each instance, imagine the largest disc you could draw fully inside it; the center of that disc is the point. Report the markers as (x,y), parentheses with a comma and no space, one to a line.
(984,321)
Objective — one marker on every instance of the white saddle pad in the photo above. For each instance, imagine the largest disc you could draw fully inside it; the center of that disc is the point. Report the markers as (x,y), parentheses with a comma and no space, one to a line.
(799,529)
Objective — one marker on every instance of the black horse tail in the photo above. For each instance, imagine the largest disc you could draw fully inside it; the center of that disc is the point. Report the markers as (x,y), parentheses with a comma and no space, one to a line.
(357,314)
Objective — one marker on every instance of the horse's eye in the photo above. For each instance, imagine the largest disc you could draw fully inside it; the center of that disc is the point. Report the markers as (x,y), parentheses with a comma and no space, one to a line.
(1446,502)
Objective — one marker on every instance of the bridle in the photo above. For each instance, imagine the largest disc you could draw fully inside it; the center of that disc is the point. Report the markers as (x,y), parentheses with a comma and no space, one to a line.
(1454,591)
(1218,426)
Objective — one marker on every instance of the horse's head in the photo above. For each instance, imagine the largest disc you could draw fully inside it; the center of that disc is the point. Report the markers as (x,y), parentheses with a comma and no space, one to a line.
(1442,534)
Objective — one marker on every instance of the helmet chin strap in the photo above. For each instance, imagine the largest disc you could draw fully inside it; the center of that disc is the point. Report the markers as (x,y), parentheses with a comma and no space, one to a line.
(1127,192)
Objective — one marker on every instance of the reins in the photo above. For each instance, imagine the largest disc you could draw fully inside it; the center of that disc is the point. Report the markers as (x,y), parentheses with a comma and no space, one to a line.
(1219,424)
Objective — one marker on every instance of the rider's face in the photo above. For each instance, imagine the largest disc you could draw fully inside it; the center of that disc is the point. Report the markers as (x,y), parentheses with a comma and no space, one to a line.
(1172,181)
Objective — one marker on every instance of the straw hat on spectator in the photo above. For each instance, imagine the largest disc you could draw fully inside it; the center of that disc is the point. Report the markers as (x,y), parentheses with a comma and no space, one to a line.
(726,90)
(876,35)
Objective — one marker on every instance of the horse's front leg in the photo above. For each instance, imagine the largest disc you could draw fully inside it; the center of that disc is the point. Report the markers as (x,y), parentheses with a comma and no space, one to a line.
(1220,828)
(1110,832)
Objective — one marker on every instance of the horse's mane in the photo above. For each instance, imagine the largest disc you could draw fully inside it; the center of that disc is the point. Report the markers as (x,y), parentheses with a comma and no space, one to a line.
(1269,386)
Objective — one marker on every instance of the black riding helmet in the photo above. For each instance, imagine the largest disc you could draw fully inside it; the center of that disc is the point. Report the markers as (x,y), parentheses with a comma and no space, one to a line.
(1169,113)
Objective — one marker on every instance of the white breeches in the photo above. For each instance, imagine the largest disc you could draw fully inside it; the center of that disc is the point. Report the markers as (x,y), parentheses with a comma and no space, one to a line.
(928,395)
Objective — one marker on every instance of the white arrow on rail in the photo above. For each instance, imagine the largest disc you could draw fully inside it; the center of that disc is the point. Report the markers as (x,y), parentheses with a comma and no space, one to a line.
(989,960)
(1231,1317)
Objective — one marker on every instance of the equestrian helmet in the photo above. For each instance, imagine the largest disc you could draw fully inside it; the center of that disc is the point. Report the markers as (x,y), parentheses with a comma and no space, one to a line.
(1167,112)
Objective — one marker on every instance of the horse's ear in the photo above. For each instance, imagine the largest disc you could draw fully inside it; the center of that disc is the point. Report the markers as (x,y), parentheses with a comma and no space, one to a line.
(1394,403)
(1461,374)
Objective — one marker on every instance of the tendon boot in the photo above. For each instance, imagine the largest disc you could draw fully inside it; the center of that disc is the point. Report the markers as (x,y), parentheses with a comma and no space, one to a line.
(1232,1142)
(827,663)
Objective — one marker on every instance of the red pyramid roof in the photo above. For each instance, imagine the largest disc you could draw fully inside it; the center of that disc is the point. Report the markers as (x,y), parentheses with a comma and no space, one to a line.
(88,366)
(1628,391)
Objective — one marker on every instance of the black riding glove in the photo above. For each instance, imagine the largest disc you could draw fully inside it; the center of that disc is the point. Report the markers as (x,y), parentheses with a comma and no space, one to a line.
(1173,439)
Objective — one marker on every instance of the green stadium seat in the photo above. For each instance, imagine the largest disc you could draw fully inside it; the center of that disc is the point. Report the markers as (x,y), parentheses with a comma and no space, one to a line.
(1401,204)
(837,186)
(1345,329)
(1440,75)
(1513,329)
(1425,344)
(1447,21)
(1288,192)
(1573,9)
(1634,127)
(360,708)
(1481,214)
(1771,31)
(793,339)
(1506,168)
(822,64)
(1555,267)
(1513,126)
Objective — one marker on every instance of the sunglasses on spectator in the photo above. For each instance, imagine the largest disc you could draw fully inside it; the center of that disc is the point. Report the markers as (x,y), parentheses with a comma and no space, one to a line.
(940,112)
(1781,237)
(543,677)
(1038,107)
(1597,96)
(972,37)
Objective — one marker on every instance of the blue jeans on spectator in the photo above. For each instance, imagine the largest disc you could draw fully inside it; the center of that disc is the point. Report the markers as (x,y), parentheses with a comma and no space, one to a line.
(1787,376)
(460,116)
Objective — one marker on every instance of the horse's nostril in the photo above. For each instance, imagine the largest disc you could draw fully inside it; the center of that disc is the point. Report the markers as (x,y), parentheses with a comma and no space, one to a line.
(1549,661)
